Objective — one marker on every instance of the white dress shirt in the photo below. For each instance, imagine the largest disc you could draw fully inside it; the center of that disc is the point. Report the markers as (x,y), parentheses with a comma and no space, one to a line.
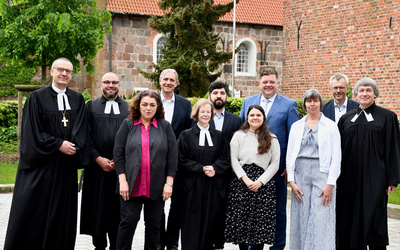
(339,111)
(267,103)
(168,107)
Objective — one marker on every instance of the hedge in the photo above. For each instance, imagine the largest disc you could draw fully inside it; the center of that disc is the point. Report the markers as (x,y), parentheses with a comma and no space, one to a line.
(9,109)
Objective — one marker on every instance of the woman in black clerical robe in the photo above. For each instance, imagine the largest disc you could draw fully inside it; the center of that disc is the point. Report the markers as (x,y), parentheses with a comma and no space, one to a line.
(199,184)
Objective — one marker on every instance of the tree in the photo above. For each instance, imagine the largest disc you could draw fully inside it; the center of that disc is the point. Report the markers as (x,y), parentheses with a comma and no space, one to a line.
(36,32)
(191,45)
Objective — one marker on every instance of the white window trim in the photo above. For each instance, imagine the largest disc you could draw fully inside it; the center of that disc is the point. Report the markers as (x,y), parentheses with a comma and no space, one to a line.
(251,45)
(155,41)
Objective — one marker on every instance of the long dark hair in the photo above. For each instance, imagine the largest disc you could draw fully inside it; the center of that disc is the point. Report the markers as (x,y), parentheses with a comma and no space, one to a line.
(264,136)
(135,105)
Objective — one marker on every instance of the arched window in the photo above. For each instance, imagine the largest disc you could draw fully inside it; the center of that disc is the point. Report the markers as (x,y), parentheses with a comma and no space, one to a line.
(243,58)
(246,57)
(158,44)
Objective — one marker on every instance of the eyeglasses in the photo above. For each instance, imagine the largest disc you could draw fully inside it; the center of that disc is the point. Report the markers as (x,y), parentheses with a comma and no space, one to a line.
(61,70)
(108,82)
(338,88)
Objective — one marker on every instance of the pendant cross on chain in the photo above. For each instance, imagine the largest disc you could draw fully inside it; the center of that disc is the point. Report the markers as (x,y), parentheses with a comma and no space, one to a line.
(64,120)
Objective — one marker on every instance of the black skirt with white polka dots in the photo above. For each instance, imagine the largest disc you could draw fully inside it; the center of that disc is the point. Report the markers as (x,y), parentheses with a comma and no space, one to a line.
(251,216)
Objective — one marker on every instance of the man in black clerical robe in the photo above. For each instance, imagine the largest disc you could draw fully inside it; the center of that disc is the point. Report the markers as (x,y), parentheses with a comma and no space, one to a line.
(54,144)
(370,170)
(100,204)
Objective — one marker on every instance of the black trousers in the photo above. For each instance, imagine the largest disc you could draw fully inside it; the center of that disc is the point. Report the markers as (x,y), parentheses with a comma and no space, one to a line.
(130,216)
(170,237)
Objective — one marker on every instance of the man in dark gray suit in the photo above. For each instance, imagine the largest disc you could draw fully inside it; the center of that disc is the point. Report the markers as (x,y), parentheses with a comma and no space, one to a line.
(177,111)
(340,104)
(228,124)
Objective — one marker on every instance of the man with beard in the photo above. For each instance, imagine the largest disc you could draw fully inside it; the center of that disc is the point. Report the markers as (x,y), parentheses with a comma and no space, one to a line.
(228,124)
(223,121)
(54,143)
(100,203)
(177,112)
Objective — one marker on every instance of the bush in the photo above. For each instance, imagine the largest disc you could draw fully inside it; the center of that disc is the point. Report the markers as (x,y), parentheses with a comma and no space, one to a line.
(8,113)
(9,134)
(87,96)
(233,105)
(15,73)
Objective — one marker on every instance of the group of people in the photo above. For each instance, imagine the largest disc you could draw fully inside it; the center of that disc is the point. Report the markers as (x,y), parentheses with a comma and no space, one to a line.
(226,175)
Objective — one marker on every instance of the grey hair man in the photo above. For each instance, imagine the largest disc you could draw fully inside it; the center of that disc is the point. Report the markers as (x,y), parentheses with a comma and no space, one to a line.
(340,104)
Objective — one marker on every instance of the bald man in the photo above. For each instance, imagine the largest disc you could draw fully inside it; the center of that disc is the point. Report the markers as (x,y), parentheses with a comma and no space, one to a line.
(54,143)
(100,203)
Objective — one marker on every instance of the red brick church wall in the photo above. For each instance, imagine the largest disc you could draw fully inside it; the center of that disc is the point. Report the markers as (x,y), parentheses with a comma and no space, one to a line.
(357,38)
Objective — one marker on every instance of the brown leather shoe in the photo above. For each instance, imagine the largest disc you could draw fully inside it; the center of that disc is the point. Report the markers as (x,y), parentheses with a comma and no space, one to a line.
(173,248)
(160,247)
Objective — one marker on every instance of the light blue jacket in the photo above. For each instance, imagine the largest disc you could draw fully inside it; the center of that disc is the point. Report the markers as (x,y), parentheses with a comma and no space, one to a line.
(281,116)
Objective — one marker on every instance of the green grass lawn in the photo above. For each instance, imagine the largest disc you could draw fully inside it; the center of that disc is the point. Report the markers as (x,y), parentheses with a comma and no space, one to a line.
(394,197)
(8,172)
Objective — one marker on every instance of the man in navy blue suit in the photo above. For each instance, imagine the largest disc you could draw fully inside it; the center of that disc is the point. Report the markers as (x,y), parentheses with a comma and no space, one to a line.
(281,112)
(228,124)
(177,111)
(340,104)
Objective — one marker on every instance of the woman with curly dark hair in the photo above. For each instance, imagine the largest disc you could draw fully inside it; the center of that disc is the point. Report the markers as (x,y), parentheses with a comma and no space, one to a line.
(255,154)
(146,159)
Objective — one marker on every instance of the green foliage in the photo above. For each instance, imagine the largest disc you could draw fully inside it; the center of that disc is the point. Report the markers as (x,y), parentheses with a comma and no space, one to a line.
(9,134)
(191,46)
(87,96)
(8,126)
(350,92)
(37,32)
(12,74)
(233,105)
(302,112)
(8,113)
(193,100)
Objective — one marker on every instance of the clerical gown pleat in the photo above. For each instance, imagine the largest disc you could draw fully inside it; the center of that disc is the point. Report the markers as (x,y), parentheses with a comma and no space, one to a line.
(44,206)
(200,196)
(370,163)
(100,203)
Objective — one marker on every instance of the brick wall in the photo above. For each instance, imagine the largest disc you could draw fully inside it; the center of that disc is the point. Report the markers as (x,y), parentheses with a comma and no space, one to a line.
(348,36)
(132,48)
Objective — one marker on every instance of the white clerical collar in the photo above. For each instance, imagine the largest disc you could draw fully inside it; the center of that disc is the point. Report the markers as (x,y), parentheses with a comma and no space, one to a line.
(61,98)
(367,116)
(114,105)
(204,133)
(163,98)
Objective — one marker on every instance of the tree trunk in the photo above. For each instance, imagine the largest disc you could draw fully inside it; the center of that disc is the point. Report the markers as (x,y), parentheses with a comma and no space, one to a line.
(44,76)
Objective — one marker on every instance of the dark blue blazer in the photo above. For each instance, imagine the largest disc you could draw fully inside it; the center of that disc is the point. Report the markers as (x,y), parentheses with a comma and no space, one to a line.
(232,123)
(329,108)
(181,118)
(281,116)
